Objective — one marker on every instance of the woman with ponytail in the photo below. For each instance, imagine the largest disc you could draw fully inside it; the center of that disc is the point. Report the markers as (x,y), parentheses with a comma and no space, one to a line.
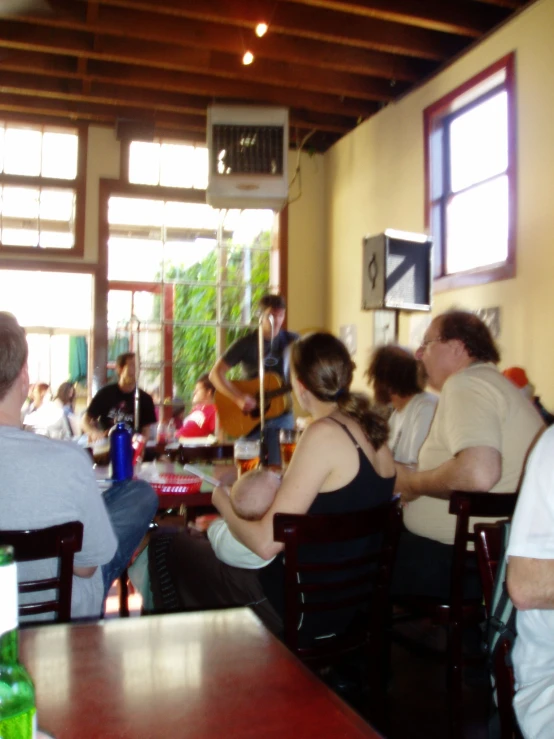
(341,464)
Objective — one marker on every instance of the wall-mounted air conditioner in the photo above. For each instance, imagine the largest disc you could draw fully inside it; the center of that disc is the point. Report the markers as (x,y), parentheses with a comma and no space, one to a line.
(247,148)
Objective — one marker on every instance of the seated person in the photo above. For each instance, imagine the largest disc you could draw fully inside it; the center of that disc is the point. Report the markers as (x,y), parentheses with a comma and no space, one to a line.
(341,464)
(56,418)
(47,482)
(518,376)
(116,402)
(398,380)
(479,438)
(251,496)
(530,580)
(36,398)
(201,420)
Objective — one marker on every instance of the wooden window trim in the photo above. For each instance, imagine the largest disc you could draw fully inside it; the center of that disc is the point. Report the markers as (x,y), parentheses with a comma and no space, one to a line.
(435,113)
(109,188)
(78,184)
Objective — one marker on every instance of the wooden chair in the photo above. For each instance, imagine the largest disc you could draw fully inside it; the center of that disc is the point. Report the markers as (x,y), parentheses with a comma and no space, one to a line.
(61,541)
(488,546)
(457,612)
(359,581)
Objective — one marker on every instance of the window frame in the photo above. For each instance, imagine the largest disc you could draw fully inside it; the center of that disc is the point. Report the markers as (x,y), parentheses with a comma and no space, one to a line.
(78,185)
(121,187)
(437,116)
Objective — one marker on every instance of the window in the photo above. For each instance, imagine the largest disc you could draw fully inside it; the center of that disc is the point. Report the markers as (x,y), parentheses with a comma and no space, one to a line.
(470,179)
(168,164)
(184,278)
(40,187)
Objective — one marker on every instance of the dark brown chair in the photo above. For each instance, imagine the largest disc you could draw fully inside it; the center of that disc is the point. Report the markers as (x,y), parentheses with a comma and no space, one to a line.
(361,581)
(488,545)
(458,612)
(61,541)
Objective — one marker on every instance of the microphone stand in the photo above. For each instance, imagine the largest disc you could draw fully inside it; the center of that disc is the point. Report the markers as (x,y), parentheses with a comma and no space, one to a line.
(137,362)
(264,452)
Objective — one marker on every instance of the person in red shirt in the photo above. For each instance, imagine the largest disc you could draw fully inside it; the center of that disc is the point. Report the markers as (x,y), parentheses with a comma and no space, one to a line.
(201,420)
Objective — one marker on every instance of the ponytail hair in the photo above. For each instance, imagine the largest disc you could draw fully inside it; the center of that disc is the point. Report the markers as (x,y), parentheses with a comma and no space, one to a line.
(323,365)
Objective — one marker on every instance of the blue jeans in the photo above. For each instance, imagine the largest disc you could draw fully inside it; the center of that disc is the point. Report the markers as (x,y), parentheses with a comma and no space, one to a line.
(131,506)
(272,426)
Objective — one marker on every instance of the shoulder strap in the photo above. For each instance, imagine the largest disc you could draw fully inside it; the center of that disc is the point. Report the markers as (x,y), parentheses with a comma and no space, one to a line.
(347,431)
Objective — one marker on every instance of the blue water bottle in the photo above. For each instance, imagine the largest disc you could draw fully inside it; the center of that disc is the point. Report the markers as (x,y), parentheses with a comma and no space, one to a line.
(121,452)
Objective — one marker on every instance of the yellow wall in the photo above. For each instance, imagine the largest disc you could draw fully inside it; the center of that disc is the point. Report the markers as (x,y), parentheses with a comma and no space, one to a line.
(375,180)
(307,262)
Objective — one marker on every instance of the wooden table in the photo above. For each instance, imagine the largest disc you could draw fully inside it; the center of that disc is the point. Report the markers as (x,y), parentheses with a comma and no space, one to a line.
(198,675)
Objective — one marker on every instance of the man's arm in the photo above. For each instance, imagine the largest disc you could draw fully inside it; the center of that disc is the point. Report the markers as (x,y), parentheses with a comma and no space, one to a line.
(218,377)
(474,469)
(90,427)
(531,582)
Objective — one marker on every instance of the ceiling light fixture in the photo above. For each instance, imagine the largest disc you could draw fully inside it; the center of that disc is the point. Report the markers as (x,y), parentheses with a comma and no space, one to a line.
(261,29)
(248,58)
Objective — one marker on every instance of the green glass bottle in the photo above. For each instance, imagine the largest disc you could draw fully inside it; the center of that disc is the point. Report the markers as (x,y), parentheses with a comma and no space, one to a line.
(17,694)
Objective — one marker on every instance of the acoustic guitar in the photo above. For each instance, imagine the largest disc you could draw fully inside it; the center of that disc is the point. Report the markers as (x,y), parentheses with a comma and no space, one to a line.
(277,401)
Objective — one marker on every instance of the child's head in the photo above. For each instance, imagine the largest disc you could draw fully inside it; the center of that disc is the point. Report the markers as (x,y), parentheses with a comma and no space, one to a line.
(253,493)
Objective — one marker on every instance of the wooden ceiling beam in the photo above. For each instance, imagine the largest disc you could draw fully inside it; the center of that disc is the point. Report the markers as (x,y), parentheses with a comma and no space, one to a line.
(453,17)
(353,22)
(220,65)
(301,22)
(150,103)
(192,49)
(349,101)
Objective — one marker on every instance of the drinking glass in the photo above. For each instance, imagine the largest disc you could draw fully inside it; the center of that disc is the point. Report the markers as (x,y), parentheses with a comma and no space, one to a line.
(247,455)
(287,442)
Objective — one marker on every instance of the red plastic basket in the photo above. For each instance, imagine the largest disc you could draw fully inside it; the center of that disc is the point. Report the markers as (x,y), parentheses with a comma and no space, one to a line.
(176,484)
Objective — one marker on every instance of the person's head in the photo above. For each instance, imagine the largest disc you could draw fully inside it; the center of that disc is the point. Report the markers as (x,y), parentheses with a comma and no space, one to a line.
(453,341)
(126,368)
(276,307)
(38,393)
(66,393)
(203,391)
(13,357)
(518,377)
(253,493)
(394,370)
(322,368)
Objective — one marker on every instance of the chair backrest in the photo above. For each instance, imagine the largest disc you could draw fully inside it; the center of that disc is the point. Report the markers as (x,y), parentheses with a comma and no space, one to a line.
(488,544)
(61,541)
(489,548)
(465,505)
(312,586)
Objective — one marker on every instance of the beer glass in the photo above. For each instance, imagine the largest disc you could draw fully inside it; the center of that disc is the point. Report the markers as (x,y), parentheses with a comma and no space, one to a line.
(287,442)
(247,455)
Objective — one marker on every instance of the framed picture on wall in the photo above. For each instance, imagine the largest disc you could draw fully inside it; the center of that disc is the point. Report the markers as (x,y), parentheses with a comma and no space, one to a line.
(385,327)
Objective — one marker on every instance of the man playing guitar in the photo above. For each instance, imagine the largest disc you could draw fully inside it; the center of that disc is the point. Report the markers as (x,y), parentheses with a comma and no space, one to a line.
(245,352)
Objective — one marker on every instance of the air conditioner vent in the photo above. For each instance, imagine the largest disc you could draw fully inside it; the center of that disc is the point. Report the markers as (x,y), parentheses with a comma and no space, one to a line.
(247,149)
(248,157)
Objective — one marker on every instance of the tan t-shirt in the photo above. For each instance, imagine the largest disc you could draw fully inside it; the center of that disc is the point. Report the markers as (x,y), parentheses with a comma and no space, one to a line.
(478,406)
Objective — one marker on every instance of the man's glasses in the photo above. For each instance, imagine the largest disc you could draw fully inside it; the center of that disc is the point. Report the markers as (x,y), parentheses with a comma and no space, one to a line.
(426,342)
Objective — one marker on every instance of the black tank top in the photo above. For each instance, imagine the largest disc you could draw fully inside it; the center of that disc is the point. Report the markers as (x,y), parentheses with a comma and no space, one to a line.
(366,490)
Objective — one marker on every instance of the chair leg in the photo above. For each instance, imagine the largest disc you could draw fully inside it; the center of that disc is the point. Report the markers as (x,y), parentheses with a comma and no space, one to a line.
(124,594)
(454,679)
